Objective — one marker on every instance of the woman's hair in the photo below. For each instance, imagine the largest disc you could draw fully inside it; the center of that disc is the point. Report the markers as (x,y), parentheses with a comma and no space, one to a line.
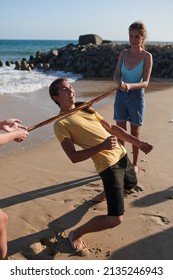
(53,91)
(138,25)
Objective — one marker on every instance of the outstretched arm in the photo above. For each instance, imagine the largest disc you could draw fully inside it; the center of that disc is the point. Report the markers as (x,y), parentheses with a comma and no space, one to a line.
(18,135)
(122,134)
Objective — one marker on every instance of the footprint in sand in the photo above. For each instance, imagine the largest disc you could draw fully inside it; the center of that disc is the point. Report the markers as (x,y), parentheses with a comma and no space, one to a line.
(68,200)
(133,191)
(43,249)
(95,185)
(159,219)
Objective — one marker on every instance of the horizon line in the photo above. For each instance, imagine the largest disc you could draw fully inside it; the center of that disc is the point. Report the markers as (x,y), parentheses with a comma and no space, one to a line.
(126,41)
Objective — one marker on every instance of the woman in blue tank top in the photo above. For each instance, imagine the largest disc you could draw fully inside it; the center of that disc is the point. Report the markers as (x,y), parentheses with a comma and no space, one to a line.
(132,75)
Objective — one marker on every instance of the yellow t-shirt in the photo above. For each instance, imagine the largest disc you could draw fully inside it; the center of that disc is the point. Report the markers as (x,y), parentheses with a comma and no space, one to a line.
(86,130)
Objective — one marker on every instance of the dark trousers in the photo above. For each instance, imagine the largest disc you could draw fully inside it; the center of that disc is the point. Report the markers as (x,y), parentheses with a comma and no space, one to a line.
(115,179)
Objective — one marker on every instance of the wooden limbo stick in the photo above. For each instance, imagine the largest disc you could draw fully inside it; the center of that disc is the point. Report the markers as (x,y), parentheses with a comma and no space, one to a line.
(67,113)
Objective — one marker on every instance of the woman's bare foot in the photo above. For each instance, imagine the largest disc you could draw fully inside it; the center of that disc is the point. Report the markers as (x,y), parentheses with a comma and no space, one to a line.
(136,168)
(99,197)
(76,243)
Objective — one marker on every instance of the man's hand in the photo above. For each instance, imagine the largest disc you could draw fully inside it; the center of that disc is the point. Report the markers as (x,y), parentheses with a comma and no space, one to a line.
(145,147)
(110,143)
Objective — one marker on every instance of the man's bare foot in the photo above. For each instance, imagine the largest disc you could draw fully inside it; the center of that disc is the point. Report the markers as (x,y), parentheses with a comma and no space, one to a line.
(99,197)
(76,243)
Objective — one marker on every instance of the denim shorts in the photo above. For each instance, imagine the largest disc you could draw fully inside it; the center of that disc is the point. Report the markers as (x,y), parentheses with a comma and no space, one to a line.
(115,179)
(130,106)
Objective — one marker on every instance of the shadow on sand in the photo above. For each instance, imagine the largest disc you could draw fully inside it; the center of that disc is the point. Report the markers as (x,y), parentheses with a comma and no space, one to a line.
(52,240)
(155,247)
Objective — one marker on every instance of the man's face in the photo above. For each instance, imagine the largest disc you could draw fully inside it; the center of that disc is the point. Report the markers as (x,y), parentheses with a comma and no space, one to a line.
(66,95)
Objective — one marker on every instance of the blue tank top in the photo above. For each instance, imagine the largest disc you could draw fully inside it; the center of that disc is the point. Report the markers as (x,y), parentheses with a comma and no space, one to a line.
(134,75)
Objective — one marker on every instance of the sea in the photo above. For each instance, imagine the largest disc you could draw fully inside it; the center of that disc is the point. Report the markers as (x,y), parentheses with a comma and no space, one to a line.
(13,82)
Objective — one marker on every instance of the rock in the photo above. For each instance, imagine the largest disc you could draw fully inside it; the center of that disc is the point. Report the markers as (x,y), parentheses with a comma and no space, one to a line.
(97,58)
(8,63)
(25,66)
(46,67)
(18,65)
(90,38)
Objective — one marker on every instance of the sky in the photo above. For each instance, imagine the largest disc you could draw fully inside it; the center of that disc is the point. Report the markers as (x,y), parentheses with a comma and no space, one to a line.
(68,19)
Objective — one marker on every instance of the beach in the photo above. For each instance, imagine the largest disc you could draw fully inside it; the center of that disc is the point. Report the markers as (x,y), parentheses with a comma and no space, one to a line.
(46,196)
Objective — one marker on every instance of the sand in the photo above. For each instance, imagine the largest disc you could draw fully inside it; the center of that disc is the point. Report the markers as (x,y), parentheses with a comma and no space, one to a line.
(46,196)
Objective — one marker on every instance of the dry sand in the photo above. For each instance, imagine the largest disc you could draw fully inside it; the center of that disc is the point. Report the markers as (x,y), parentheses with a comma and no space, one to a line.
(45,195)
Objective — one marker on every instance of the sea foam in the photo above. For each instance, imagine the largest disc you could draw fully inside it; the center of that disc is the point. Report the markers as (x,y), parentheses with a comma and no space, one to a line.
(14,82)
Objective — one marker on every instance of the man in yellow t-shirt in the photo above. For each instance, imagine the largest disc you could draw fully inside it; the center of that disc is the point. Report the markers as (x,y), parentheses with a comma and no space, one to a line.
(98,140)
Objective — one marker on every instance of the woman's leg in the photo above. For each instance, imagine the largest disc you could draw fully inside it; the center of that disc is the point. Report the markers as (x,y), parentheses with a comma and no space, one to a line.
(124,126)
(135,132)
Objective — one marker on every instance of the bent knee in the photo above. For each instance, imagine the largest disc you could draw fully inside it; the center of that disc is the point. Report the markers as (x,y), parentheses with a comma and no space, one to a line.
(3,219)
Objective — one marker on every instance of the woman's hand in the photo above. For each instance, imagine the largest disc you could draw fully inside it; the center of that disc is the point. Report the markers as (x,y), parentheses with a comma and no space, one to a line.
(20,134)
(124,87)
(12,124)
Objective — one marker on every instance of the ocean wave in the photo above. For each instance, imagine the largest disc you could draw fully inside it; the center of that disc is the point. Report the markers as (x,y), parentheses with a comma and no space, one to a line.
(14,82)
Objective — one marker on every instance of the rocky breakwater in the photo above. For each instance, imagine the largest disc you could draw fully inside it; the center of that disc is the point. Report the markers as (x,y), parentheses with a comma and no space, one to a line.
(96,58)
